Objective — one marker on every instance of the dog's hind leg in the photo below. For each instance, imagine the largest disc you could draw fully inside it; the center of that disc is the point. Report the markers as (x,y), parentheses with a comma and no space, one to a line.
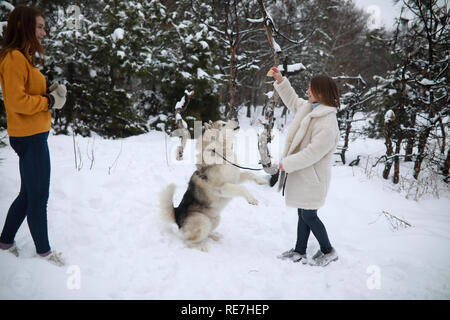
(195,230)
(246,175)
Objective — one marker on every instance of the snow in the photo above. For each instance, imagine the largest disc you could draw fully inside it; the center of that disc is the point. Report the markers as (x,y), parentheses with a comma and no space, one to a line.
(201,74)
(276,46)
(186,75)
(292,67)
(260,20)
(7,5)
(180,104)
(296,67)
(106,223)
(392,92)
(269,94)
(118,34)
(389,116)
(121,54)
(3,24)
(204,44)
(58,70)
(427,82)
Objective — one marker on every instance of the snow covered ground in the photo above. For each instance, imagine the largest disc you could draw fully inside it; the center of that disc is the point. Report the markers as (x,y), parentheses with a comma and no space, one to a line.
(105,222)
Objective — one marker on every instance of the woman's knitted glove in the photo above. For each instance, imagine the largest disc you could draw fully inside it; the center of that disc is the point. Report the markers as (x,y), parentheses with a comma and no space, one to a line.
(57,96)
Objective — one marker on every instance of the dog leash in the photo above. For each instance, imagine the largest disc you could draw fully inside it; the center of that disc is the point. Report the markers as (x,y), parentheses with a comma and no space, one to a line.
(284,183)
(245,168)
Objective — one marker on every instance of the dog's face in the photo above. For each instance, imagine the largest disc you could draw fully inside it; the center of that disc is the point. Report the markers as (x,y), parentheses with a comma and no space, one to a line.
(220,133)
(219,136)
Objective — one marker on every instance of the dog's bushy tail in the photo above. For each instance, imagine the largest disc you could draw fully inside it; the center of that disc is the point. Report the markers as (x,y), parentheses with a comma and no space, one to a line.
(166,203)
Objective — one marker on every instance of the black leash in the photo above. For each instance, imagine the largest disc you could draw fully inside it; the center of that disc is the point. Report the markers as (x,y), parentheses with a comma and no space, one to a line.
(245,168)
(284,183)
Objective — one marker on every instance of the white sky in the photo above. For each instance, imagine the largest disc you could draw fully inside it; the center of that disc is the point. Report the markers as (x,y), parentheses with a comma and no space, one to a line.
(384,11)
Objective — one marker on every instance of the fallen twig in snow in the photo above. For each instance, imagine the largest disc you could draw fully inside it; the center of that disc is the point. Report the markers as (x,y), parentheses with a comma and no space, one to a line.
(395,222)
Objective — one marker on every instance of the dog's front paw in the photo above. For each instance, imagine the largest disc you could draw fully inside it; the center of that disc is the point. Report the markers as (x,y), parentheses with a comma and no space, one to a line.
(252,201)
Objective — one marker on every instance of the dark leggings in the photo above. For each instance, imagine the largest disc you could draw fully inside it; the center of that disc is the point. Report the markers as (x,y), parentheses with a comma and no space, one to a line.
(34,165)
(309,221)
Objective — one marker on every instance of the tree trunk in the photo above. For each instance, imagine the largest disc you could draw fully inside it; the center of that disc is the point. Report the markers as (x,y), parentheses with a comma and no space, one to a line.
(232,32)
(265,138)
(232,112)
(389,149)
(409,148)
(421,152)
(249,106)
(397,161)
(444,136)
(446,168)
(348,128)
(423,139)
(410,141)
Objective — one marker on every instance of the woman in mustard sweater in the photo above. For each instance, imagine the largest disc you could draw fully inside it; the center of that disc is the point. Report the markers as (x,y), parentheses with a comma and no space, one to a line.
(28,103)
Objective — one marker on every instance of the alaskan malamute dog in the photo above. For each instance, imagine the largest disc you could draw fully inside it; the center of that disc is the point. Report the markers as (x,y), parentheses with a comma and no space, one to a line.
(210,188)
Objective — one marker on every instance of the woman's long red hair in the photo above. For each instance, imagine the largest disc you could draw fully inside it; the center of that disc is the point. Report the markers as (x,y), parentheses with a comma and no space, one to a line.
(21,33)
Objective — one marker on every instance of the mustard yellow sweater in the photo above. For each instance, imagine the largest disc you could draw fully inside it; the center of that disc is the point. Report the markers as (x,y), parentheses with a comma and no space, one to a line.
(23,87)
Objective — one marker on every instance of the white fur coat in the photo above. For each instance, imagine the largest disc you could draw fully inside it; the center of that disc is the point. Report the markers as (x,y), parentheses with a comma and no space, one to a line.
(311,141)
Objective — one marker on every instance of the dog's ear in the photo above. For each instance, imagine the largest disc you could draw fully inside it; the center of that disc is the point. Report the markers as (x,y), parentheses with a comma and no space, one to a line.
(207,125)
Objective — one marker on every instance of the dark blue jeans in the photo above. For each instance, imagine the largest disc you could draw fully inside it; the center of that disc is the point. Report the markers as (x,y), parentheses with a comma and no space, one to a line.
(309,221)
(34,165)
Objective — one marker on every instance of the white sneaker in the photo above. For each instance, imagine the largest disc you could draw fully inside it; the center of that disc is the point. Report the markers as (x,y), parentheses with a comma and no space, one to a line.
(317,255)
(293,256)
(55,258)
(324,259)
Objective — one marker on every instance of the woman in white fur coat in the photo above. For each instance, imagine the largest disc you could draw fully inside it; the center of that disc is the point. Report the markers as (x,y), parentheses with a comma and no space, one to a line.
(305,168)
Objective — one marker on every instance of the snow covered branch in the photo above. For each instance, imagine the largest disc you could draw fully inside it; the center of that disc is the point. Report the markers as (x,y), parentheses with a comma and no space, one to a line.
(182,131)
